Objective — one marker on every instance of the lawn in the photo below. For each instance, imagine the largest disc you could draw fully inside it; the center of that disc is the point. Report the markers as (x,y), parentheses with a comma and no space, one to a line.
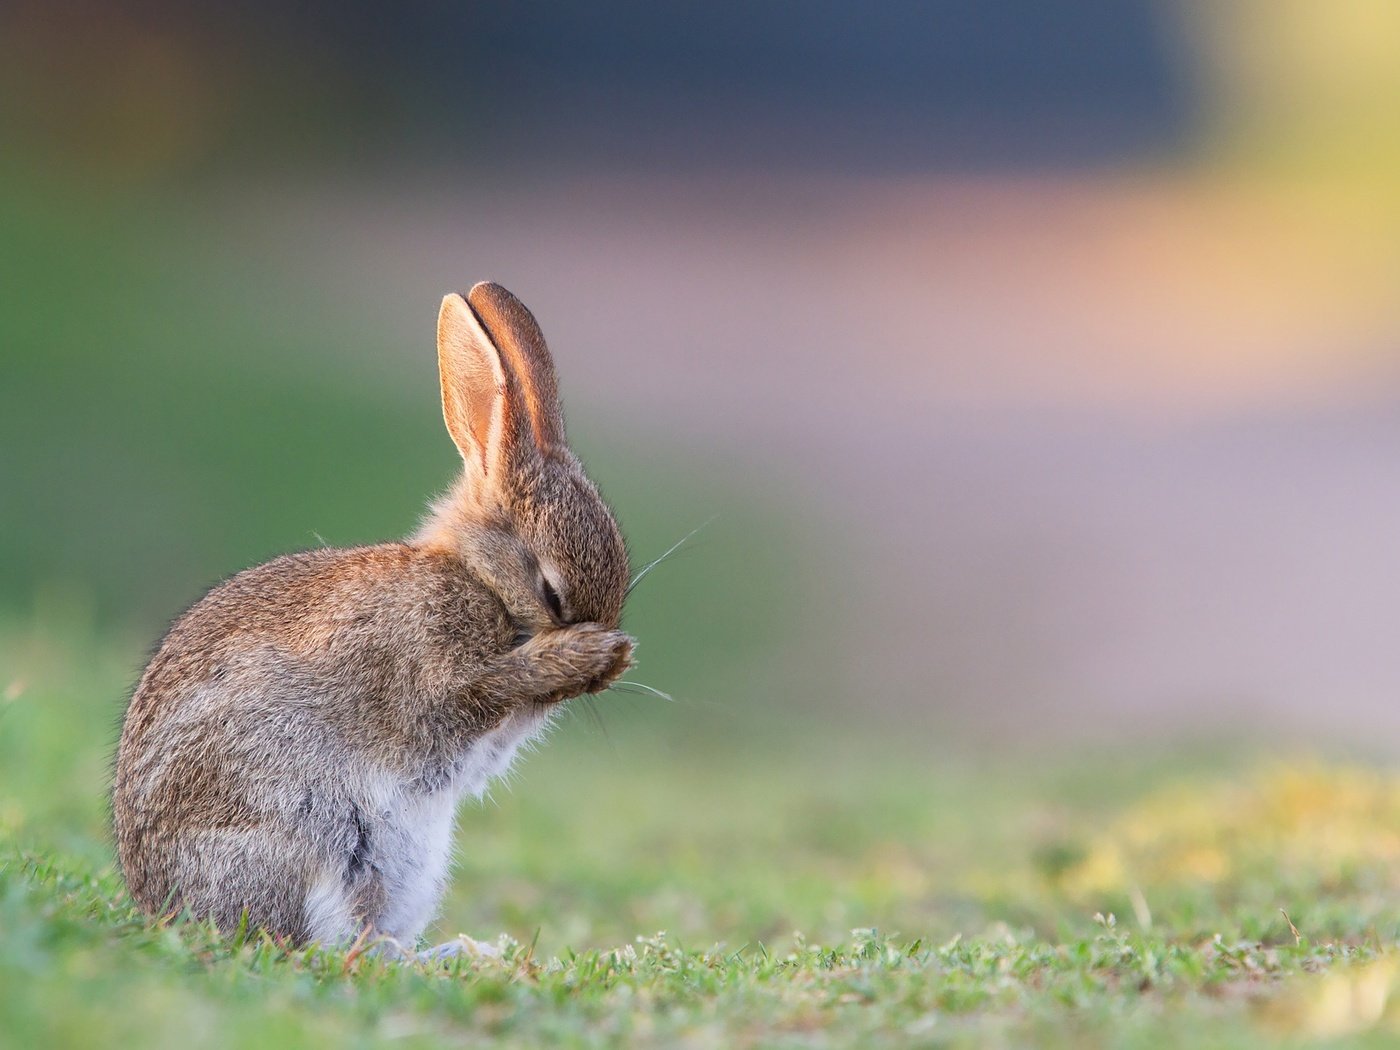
(761,862)
(686,880)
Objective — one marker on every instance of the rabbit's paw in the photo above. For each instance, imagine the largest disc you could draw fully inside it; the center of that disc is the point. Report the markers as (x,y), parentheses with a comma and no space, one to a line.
(584,658)
(459,947)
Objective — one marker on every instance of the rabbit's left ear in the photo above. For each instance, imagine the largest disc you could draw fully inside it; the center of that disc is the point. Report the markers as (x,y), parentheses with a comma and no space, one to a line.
(515,332)
(475,404)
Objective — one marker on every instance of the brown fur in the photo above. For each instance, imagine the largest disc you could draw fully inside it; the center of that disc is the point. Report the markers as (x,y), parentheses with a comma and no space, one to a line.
(282,710)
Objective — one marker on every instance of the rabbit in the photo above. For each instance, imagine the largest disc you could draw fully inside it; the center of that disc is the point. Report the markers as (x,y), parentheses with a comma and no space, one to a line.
(293,755)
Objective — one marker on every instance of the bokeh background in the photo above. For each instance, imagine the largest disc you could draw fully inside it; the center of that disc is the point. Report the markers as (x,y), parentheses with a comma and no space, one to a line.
(1038,366)
(1035,364)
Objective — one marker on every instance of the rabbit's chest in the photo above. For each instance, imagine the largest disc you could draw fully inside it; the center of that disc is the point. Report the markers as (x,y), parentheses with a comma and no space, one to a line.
(413,837)
(414,849)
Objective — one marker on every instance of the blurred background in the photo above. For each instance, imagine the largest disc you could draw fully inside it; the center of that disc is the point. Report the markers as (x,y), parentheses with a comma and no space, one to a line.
(1038,362)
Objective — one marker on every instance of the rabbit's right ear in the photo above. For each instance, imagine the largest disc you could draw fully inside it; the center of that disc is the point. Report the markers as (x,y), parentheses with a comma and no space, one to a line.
(474,402)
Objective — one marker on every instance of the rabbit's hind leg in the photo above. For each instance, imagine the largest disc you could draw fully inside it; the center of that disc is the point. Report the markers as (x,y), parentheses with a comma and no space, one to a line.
(330,912)
(252,878)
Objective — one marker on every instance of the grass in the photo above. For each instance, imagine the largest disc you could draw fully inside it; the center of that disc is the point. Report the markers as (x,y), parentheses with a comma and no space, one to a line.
(1130,987)
(788,888)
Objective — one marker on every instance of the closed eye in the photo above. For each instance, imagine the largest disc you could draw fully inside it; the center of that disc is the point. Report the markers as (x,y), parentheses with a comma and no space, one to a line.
(551,600)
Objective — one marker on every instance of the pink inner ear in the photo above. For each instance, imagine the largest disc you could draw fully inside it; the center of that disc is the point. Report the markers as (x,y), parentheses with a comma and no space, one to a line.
(473,384)
(479,392)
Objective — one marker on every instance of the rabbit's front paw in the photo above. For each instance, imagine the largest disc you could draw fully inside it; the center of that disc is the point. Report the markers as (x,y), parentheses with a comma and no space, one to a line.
(583,658)
(620,648)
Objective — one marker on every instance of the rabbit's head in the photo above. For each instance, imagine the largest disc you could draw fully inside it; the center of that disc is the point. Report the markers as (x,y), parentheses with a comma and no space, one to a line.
(524,515)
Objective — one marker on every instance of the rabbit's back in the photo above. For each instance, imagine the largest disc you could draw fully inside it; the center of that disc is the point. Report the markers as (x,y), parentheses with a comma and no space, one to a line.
(281,728)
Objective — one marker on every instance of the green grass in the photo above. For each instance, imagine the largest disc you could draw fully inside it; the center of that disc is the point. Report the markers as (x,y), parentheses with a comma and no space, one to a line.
(787,888)
(70,936)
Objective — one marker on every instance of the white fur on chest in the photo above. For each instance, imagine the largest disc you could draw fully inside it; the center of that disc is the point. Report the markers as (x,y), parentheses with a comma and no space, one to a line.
(411,834)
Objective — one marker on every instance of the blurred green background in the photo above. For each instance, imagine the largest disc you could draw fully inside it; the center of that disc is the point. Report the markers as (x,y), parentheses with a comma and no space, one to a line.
(1034,367)
(171,382)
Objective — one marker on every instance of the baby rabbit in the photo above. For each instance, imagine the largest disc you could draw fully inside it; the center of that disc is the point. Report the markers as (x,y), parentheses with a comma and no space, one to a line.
(298,744)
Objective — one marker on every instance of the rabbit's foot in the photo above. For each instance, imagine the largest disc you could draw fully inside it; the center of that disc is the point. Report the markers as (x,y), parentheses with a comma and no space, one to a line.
(459,947)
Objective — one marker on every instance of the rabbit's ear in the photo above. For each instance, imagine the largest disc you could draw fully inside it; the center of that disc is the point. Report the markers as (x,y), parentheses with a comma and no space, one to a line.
(474,391)
(515,332)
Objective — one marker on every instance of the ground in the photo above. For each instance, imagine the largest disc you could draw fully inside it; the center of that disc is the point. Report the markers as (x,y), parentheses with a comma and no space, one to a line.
(767,887)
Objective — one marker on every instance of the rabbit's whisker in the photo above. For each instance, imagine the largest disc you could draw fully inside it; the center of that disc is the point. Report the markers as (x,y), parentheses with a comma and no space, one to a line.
(639,687)
(641,574)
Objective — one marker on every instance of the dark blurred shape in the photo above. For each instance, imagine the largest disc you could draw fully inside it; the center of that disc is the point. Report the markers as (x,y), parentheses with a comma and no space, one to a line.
(901,85)
(821,85)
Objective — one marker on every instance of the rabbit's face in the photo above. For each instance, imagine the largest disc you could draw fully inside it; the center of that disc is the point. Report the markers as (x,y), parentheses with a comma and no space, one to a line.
(576,543)
(525,515)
